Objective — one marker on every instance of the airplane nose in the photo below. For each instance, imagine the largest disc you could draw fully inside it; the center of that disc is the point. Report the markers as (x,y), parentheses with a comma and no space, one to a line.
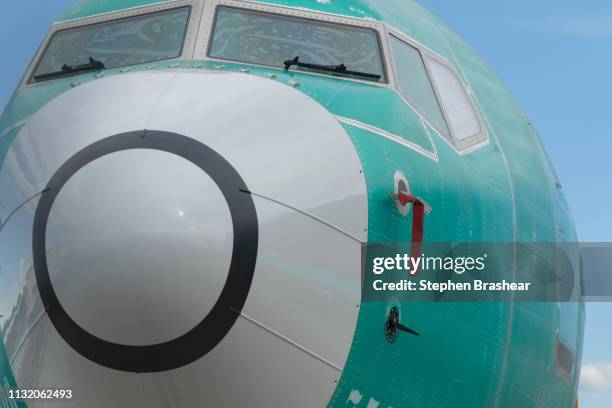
(187,241)
(178,230)
(138,246)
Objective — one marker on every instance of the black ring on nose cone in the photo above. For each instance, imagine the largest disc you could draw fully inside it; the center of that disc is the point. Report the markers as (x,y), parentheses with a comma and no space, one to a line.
(214,327)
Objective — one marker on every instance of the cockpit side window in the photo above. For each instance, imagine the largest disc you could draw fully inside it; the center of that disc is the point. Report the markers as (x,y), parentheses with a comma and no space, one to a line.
(414,85)
(460,112)
(129,41)
(270,39)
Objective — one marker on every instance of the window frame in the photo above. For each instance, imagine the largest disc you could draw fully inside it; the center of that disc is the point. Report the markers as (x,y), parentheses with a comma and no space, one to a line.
(470,141)
(198,38)
(460,145)
(193,20)
(209,15)
(407,97)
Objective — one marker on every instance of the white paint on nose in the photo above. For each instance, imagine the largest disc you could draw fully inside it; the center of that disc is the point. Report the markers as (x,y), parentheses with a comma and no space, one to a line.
(125,268)
(138,242)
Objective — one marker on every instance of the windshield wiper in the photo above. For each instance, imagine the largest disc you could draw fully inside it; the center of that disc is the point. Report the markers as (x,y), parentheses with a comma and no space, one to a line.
(340,69)
(92,65)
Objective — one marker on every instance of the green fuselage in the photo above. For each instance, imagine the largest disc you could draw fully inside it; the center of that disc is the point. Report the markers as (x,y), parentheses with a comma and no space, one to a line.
(506,190)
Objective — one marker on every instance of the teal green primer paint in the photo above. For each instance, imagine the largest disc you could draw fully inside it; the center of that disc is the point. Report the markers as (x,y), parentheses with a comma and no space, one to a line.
(7,380)
(5,143)
(84,8)
(468,355)
(431,370)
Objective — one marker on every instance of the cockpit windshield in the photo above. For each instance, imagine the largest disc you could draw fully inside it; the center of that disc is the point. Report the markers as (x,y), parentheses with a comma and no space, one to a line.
(136,40)
(270,39)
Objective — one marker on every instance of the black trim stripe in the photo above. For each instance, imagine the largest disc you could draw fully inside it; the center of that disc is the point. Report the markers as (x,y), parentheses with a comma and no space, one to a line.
(216,325)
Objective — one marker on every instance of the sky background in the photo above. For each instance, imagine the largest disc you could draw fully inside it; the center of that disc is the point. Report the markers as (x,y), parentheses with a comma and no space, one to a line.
(555,56)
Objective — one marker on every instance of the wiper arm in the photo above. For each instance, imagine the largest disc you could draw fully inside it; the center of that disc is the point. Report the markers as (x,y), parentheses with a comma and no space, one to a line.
(340,69)
(92,65)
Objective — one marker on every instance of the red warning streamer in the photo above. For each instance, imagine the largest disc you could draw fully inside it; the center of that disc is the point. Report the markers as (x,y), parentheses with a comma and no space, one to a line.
(418,223)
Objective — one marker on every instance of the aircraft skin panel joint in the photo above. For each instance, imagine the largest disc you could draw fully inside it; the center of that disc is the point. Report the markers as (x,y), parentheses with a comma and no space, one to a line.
(183,206)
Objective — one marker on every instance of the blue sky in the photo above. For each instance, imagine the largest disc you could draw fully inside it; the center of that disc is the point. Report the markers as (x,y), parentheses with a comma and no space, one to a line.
(556,58)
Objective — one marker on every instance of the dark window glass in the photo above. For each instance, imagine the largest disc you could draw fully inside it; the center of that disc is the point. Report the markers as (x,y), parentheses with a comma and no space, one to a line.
(129,41)
(269,39)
